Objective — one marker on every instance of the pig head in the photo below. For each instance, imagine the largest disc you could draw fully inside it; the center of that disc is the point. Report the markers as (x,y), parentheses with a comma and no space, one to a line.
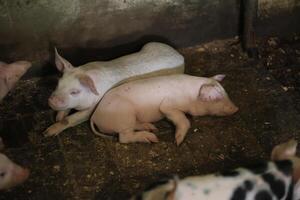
(11,174)
(76,89)
(10,74)
(213,100)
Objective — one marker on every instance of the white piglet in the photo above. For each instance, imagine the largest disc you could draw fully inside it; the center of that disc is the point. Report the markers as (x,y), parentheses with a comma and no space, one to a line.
(131,108)
(10,74)
(82,87)
(11,174)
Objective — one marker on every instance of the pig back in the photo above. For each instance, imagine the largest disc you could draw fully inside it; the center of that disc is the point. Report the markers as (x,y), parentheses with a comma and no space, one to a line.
(154,59)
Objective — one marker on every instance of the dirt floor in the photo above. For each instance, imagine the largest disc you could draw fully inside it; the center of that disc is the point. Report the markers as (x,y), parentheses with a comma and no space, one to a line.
(79,165)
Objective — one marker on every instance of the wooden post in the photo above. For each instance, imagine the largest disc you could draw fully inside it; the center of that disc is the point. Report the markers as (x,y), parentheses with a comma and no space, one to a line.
(249,9)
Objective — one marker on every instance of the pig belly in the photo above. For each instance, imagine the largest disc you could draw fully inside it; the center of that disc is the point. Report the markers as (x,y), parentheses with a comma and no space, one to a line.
(149,114)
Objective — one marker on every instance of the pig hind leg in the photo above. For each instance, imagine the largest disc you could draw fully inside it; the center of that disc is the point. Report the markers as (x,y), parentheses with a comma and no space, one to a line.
(145,127)
(130,136)
(180,121)
(125,123)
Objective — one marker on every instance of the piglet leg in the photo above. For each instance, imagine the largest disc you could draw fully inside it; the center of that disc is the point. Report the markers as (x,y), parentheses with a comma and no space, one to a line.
(180,121)
(62,114)
(145,127)
(129,136)
(69,121)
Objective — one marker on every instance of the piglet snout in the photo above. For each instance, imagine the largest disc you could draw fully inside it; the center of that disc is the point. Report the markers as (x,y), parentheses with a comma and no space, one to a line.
(227,110)
(233,109)
(56,102)
(21,174)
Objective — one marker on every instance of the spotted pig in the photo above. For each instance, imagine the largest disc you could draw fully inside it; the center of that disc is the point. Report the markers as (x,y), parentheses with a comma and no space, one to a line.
(274,180)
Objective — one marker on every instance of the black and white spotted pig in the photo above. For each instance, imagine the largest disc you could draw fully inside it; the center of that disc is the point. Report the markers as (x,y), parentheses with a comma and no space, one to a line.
(274,180)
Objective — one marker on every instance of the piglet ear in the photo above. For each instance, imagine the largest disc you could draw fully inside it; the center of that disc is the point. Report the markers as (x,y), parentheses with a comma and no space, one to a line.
(61,64)
(210,92)
(284,151)
(219,77)
(86,81)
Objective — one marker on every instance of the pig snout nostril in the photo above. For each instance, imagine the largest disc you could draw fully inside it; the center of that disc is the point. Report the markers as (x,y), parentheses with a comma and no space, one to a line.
(235,109)
(55,100)
(22,175)
(26,173)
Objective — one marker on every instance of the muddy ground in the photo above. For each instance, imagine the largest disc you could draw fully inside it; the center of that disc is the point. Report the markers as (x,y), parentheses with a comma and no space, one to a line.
(79,165)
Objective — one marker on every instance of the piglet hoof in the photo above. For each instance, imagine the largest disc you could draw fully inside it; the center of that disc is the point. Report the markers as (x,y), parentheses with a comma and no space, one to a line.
(154,129)
(150,127)
(179,139)
(146,127)
(147,137)
(53,130)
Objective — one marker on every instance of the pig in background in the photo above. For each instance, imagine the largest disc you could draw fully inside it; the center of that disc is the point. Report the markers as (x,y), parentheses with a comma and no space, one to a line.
(130,109)
(11,174)
(278,179)
(10,74)
(82,87)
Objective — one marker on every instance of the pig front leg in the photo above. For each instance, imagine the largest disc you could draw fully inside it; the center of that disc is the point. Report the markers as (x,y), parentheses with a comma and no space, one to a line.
(62,114)
(180,121)
(69,121)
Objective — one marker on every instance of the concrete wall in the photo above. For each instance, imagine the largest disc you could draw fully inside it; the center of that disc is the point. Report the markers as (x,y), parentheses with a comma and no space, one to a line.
(278,17)
(269,8)
(86,30)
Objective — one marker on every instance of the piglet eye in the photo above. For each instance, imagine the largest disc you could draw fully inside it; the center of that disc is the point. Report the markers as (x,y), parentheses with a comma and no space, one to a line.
(75,92)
